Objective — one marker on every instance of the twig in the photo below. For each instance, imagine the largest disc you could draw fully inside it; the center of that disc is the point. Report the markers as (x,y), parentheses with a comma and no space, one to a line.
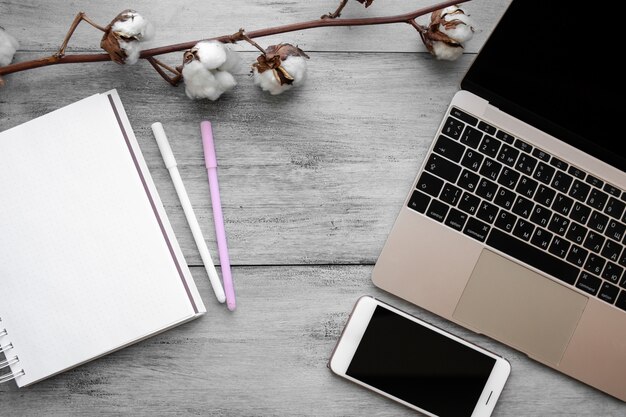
(79,18)
(148,53)
(158,66)
(241,36)
(337,12)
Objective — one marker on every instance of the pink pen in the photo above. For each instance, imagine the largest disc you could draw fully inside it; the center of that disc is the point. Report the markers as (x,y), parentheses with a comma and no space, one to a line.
(211,167)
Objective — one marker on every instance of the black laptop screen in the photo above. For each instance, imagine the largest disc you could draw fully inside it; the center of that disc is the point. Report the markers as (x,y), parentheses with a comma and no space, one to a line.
(554,65)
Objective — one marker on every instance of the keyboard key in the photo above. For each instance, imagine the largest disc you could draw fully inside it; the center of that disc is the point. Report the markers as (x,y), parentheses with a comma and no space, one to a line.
(612,272)
(544,195)
(622,259)
(460,114)
(621,300)
(523,207)
(556,162)
(608,292)
(487,212)
(577,255)
(469,203)
(449,148)
(419,201)
(456,219)
(562,204)
(562,181)
(508,177)
(486,189)
(453,128)
(558,224)
(533,256)
(506,221)
(487,128)
(520,144)
(615,208)
(612,250)
(559,247)
(443,168)
(508,155)
(450,194)
(594,264)
(472,160)
(526,164)
(596,182)
(576,233)
(491,169)
(597,198)
(504,198)
(490,146)
(597,221)
(594,241)
(429,184)
(477,229)
(538,153)
(526,186)
(541,216)
(575,172)
(615,230)
(612,190)
(623,283)
(523,229)
(468,180)
(588,283)
(579,190)
(580,213)
(471,137)
(541,238)
(437,210)
(544,173)
(505,137)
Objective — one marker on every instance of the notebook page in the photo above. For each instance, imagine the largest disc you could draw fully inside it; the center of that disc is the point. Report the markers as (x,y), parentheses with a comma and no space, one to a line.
(84,266)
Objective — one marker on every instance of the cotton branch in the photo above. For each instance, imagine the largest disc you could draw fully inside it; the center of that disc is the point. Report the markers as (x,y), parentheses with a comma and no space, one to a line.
(149,54)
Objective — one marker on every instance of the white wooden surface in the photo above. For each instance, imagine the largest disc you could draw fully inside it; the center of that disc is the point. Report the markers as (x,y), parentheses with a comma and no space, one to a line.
(311,183)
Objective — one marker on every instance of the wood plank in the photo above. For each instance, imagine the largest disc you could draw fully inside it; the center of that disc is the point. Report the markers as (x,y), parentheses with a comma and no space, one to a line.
(41,26)
(316,175)
(269,358)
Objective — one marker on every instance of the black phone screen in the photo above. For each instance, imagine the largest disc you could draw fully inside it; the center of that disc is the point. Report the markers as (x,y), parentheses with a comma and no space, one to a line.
(419,365)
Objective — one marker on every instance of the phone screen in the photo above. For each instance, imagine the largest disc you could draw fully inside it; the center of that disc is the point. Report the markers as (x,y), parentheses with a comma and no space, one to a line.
(419,365)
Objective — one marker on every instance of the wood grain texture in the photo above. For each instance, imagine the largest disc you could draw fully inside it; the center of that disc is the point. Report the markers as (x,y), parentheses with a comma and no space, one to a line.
(311,183)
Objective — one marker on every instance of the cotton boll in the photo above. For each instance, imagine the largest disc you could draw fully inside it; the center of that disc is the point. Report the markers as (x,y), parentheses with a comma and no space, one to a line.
(445,52)
(212,54)
(201,82)
(281,67)
(8,46)
(133,25)
(268,82)
(457,25)
(296,67)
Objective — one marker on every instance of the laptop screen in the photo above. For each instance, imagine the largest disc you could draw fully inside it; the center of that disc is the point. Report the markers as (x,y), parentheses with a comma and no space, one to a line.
(553,64)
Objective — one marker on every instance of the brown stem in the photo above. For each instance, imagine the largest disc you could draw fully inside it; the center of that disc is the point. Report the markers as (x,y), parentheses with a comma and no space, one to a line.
(145,54)
(158,66)
(241,36)
(79,18)
(337,12)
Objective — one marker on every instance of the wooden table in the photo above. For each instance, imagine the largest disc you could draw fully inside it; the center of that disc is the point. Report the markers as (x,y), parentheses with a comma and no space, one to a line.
(311,183)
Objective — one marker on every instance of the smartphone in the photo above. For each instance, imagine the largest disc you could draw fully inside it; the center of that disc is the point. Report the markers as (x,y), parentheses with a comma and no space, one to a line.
(417,364)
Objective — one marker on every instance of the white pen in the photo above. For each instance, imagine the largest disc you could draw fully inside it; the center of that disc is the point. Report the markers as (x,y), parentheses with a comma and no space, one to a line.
(170,164)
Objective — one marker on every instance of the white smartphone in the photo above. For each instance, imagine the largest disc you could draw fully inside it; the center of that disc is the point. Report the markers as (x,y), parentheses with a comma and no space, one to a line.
(417,364)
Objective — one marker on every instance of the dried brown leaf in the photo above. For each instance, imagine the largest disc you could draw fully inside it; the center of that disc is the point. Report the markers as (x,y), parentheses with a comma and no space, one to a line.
(366,3)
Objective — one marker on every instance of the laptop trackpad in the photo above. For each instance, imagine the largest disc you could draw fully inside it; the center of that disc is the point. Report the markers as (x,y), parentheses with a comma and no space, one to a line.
(519,307)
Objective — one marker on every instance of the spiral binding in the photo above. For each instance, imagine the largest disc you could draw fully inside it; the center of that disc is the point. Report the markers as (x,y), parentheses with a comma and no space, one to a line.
(8,362)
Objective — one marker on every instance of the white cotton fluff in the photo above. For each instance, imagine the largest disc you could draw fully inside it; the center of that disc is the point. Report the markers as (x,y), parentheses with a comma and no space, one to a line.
(445,52)
(132,50)
(8,46)
(133,25)
(294,65)
(209,76)
(461,32)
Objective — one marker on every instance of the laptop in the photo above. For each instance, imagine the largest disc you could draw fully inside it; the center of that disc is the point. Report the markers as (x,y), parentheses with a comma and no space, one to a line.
(515,225)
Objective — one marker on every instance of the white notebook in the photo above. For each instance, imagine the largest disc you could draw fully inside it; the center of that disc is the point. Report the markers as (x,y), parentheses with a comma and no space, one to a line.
(88,260)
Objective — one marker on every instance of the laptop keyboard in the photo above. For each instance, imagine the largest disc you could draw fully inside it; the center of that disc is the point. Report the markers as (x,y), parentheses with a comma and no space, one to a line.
(522,201)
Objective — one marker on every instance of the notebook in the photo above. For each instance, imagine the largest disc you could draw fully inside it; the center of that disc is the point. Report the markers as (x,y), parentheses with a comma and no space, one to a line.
(89,262)
(515,225)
